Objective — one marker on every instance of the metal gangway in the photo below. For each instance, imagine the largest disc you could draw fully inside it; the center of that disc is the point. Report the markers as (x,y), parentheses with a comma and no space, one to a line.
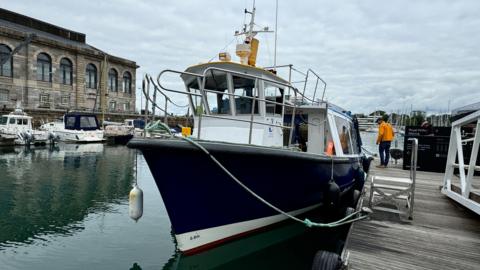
(463,194)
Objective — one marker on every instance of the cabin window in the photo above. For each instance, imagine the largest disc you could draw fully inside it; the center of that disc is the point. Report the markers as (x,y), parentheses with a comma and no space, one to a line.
(3,120)
(88,122)
(245,90)
(139,124)
(196,101)
(12,121)
(25,121)
(219,103)
(328,146)
(273,94)
(344,131)
(19,121)
(216,89)
(353,135)
(70,122)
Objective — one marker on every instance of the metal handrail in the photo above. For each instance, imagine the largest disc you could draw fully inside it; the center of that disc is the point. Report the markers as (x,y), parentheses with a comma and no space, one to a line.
(290,66)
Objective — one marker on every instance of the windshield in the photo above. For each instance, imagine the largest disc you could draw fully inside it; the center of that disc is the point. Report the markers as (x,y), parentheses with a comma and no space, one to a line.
(139,124)
(88,122)
(3,120)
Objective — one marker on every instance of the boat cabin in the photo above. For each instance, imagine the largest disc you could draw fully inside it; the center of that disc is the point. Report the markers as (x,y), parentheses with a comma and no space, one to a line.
(81,121)
(16,121)
(243,104)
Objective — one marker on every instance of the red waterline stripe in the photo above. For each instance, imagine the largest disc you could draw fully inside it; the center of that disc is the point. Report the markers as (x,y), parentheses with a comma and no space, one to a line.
(219,242)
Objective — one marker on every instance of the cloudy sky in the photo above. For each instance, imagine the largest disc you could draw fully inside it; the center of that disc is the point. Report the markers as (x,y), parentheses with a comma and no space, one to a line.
(374,54)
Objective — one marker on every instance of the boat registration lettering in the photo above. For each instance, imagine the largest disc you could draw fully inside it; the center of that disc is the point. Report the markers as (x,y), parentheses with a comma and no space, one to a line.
(194,237)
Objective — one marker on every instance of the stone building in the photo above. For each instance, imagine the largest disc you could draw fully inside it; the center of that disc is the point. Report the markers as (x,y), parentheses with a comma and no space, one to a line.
(54,69)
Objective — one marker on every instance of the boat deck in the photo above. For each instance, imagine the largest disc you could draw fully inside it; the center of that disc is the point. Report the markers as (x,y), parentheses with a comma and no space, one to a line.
(442,234)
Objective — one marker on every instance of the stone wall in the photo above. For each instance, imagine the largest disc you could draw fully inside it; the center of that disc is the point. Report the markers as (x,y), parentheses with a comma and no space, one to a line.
(25,88)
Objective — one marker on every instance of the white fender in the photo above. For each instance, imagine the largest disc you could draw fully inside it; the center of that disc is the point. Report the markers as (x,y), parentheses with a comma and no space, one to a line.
(135,202)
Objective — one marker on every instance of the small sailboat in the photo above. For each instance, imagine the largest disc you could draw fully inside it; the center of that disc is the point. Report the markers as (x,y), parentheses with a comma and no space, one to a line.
(261,151)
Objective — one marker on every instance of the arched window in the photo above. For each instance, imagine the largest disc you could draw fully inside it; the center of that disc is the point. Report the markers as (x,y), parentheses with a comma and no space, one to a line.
(127,82)
(91,76)
(6,68)
(66,71)
(44,67)
(113,80)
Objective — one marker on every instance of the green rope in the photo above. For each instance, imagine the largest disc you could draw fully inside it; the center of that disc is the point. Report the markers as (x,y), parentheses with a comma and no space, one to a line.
(158,126)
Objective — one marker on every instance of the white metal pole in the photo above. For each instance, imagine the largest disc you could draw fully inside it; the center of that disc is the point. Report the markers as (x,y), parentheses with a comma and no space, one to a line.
(275,50)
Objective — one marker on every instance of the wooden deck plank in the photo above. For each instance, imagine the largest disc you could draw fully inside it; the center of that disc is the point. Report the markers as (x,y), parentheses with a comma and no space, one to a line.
(442,234)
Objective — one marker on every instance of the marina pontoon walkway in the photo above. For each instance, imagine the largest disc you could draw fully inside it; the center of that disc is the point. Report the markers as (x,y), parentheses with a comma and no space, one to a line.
(442,234)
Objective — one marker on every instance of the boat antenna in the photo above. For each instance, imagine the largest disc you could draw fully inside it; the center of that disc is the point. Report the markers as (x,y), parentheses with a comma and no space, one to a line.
(275,50)
(245,50)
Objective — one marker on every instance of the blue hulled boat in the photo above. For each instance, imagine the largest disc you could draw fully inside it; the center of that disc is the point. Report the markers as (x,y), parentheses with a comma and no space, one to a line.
(296,152)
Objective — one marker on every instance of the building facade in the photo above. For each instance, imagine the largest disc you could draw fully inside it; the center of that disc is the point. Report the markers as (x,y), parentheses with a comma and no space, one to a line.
(47,67)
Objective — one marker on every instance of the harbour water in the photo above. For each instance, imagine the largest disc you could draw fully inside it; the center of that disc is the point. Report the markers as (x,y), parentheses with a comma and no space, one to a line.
(67,208)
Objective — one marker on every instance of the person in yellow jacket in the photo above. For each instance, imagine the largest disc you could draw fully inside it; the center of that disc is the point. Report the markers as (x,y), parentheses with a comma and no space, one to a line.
(384,140)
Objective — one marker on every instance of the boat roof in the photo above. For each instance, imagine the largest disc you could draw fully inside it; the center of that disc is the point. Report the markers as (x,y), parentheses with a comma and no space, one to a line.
(233,66)
(340,110)
(15,115)
(80,114)
(326,105)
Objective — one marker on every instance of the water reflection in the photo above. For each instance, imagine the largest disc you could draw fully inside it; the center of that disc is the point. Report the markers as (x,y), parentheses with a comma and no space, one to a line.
(46,191)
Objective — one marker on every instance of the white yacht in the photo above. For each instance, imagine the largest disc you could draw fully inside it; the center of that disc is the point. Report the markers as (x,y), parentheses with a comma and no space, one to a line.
(76,128)
(19,125)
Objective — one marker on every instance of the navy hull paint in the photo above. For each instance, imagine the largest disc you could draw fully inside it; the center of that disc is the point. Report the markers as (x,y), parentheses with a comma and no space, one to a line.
(199,195)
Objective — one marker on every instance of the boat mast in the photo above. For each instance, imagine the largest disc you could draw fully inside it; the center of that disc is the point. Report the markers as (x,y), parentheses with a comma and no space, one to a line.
(275,50)
(247,51)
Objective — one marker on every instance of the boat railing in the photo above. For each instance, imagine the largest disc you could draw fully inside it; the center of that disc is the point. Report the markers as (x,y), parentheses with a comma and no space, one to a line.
(254,99)
(310,72)
(160,88)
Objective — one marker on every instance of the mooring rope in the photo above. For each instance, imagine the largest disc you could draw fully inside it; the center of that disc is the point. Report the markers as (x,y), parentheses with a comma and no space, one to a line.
(345,220)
